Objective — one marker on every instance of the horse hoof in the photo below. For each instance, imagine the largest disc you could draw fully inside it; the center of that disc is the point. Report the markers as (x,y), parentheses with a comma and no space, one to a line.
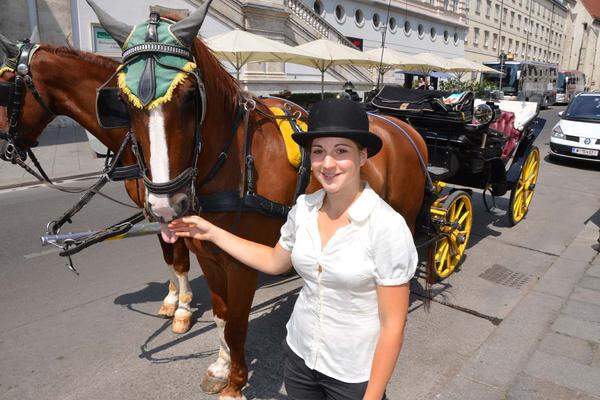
(181,324)
(212,385)
(167,310)
(230,393)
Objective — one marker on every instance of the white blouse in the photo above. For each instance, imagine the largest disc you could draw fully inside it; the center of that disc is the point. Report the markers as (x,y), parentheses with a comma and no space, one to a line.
(335,323)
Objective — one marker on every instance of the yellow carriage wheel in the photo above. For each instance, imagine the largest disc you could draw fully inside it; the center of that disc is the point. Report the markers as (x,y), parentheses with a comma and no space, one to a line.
(456,217)
(523,189)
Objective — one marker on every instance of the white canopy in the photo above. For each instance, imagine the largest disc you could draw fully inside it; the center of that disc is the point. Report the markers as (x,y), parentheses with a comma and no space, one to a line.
(240,47)
(326,53)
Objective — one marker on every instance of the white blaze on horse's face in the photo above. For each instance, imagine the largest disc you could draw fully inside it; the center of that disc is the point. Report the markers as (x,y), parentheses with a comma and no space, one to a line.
(159,164)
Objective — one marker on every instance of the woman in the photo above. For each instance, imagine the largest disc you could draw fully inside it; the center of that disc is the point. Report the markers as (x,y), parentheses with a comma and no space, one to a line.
(355,254)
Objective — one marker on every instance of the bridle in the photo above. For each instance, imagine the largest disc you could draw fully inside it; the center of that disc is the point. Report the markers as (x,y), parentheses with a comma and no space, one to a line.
(13,150)
(187,178)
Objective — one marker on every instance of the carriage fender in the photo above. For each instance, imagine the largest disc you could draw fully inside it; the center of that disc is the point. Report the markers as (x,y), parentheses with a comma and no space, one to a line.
(524,148)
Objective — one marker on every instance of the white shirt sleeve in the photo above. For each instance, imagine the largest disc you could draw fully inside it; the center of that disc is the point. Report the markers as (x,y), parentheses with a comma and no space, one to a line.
(288,230)
(393,250)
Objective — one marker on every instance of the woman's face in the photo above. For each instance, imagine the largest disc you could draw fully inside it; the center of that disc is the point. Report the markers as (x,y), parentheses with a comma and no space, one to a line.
(336,162)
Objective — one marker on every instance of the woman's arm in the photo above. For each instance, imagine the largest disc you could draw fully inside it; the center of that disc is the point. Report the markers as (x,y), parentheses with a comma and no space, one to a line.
(270,260)
(393,307)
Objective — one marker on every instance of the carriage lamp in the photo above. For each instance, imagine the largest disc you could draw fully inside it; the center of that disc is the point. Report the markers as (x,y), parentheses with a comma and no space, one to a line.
(558,133)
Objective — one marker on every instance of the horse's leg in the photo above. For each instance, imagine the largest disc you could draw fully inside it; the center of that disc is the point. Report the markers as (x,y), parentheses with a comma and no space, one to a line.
(217,374)
(169,304)
(182,319)
(240,292)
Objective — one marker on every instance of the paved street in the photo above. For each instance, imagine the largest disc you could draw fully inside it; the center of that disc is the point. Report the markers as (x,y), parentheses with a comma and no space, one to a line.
(521,320)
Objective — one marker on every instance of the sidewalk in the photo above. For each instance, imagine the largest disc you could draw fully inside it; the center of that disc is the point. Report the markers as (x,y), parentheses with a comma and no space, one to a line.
(549,345)
(63,152)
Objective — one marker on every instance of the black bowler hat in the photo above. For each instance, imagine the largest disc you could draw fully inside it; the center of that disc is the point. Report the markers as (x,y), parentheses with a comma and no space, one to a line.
(339,118)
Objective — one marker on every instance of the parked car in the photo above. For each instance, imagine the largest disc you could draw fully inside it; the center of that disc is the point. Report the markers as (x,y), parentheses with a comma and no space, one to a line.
(577,134)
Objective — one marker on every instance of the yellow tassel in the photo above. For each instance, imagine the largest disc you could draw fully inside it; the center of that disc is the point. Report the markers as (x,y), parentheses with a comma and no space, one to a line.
(136,102)
(5,69)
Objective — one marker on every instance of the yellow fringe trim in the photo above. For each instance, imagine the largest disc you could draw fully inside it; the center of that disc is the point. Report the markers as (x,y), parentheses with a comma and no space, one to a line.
(5,69)
(136,102)
(292,149)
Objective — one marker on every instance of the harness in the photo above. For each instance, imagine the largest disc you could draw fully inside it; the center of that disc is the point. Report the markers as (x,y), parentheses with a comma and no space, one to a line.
(12,96)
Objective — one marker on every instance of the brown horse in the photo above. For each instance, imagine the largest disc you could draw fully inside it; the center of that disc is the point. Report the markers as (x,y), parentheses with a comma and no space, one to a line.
(167,135)
(67,80)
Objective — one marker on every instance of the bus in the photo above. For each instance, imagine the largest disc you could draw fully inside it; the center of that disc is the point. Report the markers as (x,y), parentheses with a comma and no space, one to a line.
(569,84)
(524,80)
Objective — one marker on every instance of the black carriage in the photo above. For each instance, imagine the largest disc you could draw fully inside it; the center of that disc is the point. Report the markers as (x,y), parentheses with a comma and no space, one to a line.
(471,144)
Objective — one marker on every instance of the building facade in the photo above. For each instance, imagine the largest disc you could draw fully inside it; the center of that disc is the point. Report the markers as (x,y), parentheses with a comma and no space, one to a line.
(582,40)
(525,30)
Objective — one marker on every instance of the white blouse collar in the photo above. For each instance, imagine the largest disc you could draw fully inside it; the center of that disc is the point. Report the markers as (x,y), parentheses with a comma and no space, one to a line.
(359,210)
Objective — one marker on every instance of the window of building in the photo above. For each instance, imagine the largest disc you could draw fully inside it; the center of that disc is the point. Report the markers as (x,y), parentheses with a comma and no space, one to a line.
(318,7)
(488,9)
(376,20)
(519,22)
(359,17)
(486,39)
(340,14)
(420,30)
(503,43)
(510,44)
(392,24)
(497,12)
(512,19)
(478,6)
(446,35)
(446,4)
(475,36)
(432,33)
(454,5)
(495,41)
(504,16)
(456,38)
(406,27)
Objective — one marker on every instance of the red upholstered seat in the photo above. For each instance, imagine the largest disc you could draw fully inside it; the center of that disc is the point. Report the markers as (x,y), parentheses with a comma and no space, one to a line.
(506,124)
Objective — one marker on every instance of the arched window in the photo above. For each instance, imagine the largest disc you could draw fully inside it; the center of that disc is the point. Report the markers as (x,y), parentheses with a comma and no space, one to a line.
(340,14)
(432,33)
(359,17)
(420,30)
(318,7)
(446,35)
(392,24)
(455,38)
(376,20)
(406,27)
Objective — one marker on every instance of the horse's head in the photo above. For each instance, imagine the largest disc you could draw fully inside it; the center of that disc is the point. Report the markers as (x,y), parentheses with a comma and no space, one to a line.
(161,85)
(33,117)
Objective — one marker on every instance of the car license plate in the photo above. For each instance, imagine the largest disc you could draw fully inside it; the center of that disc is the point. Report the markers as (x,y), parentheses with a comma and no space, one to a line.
(584,152)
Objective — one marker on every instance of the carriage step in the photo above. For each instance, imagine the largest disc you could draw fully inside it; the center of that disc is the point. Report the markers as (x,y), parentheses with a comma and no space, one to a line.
(438,173)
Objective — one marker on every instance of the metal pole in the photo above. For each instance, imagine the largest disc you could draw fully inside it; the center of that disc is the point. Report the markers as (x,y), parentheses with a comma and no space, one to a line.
(33,15)
(322,84)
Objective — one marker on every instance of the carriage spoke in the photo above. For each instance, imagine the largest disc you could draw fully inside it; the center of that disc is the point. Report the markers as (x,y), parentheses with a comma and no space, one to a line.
(463,217)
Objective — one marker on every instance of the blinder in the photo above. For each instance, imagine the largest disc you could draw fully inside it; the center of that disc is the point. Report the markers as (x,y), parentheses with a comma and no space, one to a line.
(6,93)
(111,110)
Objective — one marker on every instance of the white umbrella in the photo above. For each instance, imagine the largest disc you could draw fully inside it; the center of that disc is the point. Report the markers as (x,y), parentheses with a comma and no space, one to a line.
(387,59)
(327,53)
(240,47)
(427,62)
(463,65)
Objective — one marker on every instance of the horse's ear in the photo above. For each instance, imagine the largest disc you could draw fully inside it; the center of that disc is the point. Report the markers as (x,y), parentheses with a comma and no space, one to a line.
(35,35)
(10,48)
(118,30)
(187,29)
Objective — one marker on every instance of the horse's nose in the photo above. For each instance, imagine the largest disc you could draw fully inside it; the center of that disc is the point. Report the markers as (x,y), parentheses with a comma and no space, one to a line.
(180,203)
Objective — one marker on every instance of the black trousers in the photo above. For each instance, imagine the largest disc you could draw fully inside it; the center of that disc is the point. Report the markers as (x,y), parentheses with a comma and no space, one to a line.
(303,383)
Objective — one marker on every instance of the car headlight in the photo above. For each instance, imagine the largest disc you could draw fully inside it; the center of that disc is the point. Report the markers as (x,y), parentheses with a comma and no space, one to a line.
(558,133)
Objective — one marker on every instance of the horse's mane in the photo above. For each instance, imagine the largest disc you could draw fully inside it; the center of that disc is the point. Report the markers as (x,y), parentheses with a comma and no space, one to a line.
(217,79)
(101,61)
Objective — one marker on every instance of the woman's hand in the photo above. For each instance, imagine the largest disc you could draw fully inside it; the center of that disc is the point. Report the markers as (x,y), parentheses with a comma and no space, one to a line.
(193,227)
